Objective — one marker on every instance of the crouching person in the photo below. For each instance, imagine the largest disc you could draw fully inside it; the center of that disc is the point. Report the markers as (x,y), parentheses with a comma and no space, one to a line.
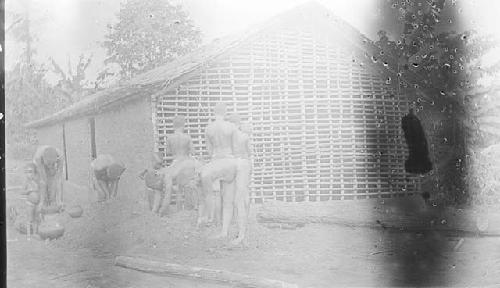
(183,170)
(105,174)
(153,178)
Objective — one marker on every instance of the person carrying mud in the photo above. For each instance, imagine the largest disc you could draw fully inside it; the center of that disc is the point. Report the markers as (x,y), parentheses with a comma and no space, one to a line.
(242,153)
(183,168)
(49,167)
(222,167)
(106,173)
(153,178)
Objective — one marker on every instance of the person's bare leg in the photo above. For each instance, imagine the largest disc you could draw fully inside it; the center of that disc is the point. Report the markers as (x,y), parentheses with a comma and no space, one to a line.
(109,191)
(178,197)
(102,190)
(51,191)
(31,220)
(165,206)
(242,205)
(227,207)
(188,196)
(150,198)
(202,206)
(114,188)
(242,199)
(206,201)
(217,209)
(157,201)
(60,190)
(209,209)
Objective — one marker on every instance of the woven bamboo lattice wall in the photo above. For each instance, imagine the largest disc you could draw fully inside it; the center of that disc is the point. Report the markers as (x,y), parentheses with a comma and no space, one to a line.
(323,127)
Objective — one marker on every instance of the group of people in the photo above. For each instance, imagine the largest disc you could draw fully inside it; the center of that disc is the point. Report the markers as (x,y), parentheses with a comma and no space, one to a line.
(43,186)
(218,187)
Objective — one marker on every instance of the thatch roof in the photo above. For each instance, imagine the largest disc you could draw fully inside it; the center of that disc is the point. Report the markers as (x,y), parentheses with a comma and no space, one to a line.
(163,77)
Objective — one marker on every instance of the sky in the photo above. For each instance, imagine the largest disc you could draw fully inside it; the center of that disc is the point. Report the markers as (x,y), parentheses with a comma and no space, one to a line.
(67,28)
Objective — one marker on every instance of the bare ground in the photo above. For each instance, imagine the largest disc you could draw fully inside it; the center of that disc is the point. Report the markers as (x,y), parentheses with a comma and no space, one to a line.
(315,255)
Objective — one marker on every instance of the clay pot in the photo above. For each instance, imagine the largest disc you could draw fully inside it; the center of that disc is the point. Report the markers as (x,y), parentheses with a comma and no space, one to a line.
(75,211)
(50,230)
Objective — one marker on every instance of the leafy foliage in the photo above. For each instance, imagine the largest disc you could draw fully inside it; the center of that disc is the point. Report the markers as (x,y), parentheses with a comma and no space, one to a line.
(448,62)
(28,95)
(72,84)
(447,59)
(149,34)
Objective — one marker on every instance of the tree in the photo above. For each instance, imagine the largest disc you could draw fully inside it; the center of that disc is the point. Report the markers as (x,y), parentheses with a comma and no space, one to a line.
(149,34)
(28,95)
(72,84)
(447,59)
(448,62)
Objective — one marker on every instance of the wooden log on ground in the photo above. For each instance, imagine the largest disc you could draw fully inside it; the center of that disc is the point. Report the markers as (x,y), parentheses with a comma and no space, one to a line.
(222,276)
(405,214)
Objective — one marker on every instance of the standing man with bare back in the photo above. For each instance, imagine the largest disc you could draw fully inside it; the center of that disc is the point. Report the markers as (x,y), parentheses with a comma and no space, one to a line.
(182,169)
(220,138)
(242,152)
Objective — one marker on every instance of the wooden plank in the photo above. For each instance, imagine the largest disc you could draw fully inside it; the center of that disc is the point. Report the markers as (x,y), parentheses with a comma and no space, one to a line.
(205,274)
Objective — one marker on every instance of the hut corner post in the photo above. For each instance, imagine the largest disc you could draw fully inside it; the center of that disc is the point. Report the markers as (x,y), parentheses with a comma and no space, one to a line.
(154,120)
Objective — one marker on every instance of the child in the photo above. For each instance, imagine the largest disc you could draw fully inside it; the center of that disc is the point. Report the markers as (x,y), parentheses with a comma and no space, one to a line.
(154,183)
(31,190)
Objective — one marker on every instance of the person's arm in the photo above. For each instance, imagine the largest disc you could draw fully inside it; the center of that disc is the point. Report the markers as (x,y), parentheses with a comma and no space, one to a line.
(209,144)
(43,194)
(249,147)
(190,146)
(234,139)
(141,175)
(40,168)
(168,148)
(103,189)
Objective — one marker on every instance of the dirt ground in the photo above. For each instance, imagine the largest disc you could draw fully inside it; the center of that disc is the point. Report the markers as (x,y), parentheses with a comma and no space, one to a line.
(315,255)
